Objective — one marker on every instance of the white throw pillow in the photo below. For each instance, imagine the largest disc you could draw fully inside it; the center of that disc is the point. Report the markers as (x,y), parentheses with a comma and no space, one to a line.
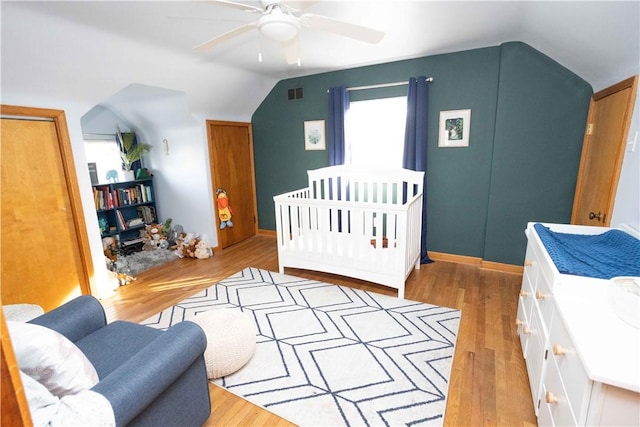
(42,404)
(86,408)
(51,359)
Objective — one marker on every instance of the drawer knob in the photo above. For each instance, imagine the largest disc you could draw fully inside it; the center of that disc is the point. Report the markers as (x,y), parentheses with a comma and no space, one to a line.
(518,322)
(523,293)
(550,398)
(540,295)
(528,263)
(558,350)
(526,330)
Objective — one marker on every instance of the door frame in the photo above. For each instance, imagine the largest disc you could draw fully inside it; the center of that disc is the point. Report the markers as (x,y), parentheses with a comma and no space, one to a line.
(71,179)
(213,160)
(631,82)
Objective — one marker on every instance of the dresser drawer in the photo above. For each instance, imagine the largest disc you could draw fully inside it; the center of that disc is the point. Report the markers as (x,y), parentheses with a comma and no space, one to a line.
(531,267)
(573,375)
(522,326)
(553,399)
(536,344)
(537,277)
(527,295)
(545,265)
(543,296)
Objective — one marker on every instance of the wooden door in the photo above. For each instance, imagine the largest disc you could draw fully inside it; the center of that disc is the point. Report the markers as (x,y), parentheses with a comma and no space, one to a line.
(45,252)
(231,161)
(602,153)
(15,409)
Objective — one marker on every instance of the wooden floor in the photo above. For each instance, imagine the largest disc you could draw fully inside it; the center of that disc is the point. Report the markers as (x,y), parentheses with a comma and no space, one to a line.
(488,386)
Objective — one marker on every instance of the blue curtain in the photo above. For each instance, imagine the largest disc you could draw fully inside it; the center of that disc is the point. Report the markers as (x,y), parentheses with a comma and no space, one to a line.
(415,145)
(338,106)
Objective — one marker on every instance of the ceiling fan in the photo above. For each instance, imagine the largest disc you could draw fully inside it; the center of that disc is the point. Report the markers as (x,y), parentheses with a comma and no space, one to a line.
(280,22)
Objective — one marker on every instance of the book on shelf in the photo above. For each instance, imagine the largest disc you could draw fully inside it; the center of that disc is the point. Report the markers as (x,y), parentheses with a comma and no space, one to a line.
(103,198)
(121,222)
(147,213)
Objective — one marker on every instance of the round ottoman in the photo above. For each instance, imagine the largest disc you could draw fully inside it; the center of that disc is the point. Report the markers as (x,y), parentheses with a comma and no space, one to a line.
(231,340)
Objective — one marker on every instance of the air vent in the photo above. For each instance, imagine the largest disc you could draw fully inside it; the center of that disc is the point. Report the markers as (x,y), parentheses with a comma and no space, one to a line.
(296,93)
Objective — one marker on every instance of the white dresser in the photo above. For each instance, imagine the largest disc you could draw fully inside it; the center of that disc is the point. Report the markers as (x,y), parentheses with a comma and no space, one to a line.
(583,361)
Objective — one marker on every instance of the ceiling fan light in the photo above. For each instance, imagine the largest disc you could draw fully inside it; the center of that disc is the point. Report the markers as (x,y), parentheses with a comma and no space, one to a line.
(278,26)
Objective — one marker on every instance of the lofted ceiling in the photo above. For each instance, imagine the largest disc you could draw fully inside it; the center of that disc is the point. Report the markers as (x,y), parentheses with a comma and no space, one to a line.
(599,41)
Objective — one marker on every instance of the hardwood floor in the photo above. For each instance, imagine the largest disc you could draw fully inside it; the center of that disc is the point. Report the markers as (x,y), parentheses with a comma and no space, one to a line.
(488,385)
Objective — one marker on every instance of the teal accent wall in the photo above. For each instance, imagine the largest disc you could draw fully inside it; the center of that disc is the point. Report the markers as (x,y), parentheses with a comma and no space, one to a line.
(467,199)
(540,122)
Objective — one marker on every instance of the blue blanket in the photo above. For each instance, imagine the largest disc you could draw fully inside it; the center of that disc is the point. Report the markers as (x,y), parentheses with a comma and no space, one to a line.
(603,256)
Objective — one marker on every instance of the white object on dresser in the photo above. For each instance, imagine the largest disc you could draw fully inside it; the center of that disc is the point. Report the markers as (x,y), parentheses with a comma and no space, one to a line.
(583,361)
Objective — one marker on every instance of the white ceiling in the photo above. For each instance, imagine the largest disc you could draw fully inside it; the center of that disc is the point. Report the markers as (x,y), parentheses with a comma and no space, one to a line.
(599,41)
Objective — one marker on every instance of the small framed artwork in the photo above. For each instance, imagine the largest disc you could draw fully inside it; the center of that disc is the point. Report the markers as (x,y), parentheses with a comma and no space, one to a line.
(314,138)
(454,128)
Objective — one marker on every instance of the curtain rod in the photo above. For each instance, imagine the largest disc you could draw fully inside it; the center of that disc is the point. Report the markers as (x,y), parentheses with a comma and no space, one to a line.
(99,136)
(429,79)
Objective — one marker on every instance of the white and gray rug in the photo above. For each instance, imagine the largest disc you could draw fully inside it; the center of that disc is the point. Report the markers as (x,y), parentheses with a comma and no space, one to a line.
(329,355)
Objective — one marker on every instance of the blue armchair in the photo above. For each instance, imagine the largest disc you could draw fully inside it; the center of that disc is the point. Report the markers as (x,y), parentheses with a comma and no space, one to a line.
(149,376)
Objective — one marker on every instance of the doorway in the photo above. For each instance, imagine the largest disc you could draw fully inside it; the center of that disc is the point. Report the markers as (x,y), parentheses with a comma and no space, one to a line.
(602,153)
(232,170)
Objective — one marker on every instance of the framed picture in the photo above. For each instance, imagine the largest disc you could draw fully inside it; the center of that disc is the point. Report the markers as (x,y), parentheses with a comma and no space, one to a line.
(314,135)
(454,128)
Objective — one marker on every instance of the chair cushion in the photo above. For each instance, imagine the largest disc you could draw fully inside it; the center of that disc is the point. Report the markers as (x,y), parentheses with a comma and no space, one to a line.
(51,359)
(111,346)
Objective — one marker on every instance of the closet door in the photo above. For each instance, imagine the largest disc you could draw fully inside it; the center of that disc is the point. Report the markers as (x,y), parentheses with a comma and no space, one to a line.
(44,249)
(232,169)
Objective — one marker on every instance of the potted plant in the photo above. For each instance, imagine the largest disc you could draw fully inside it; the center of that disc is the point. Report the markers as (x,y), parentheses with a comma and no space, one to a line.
(130,152)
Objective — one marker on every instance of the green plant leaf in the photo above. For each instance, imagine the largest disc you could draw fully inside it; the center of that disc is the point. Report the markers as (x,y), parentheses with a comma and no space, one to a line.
(130,153)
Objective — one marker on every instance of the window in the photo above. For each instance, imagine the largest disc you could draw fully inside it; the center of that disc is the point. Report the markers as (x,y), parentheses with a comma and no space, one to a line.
(375,132)
(106,155)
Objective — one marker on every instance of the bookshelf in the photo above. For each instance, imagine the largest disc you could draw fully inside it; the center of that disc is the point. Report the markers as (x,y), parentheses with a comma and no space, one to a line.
(123,209)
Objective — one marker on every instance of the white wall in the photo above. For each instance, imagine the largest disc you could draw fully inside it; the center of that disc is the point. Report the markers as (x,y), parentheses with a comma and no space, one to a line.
(181,175)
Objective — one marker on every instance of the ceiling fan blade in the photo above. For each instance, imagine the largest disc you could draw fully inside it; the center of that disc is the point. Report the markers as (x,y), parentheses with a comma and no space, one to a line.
(300,4)
(234,5)
(226,36)
(354,31)
(291,50)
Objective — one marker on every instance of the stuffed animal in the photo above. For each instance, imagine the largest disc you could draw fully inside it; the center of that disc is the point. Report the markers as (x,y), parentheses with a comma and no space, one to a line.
(224,210)
(124,279)
(187,246)
(110,248)
(153,237)
(166,227)
(202,250)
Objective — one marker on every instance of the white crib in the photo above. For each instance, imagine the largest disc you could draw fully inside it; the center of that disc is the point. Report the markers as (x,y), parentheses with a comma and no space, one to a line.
(360,223)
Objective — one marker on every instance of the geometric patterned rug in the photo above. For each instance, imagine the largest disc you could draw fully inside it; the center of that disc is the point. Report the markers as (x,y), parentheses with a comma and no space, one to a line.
(329,355)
